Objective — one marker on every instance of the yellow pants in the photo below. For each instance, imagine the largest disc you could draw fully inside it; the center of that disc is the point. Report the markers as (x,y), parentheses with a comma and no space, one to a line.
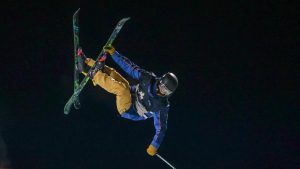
(110,80)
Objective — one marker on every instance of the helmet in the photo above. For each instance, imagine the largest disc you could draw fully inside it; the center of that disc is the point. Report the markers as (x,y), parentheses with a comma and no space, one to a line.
(168,83)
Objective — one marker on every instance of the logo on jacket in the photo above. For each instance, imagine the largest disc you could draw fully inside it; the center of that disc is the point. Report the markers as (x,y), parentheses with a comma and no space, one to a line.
(141,95)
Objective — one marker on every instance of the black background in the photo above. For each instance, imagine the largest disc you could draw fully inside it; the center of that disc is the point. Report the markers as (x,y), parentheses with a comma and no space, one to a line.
(236,106)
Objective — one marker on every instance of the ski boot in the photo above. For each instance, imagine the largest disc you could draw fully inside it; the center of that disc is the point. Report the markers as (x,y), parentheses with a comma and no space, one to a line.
(99,66)
(80,65)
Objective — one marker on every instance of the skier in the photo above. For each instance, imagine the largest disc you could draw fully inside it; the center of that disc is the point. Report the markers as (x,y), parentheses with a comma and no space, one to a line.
(149,98)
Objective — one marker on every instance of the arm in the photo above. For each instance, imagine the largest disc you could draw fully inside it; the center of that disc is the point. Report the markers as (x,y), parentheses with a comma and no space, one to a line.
(131,116)
(160,124)
(128,66)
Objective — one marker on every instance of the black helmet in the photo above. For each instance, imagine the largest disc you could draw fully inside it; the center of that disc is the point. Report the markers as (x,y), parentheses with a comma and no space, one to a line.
(168,83)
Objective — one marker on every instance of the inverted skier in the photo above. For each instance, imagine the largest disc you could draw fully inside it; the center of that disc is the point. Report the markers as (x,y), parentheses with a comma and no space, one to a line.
(147,99)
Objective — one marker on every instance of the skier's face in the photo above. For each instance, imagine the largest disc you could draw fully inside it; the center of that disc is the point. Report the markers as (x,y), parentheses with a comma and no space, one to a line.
(163,89)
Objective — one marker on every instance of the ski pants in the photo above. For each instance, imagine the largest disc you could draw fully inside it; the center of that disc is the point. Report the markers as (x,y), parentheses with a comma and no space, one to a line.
(111,81)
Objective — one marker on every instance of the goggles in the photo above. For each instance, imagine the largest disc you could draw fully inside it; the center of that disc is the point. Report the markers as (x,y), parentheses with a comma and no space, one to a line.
(163,89)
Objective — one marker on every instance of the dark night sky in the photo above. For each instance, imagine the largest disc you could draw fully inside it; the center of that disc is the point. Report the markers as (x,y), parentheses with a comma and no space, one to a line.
(236,106)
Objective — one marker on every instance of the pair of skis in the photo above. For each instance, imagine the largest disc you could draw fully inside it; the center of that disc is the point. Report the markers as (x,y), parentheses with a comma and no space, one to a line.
(78,86)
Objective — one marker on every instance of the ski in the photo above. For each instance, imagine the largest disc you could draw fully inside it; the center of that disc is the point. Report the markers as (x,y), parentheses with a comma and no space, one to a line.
(76,46)
(78,89)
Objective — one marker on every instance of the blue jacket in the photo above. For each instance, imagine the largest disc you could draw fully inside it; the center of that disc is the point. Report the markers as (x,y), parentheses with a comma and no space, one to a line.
(145,93)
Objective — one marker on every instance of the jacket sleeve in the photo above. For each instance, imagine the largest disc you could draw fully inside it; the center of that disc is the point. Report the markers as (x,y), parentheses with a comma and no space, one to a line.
(128,66)
(160,124)
(131,116)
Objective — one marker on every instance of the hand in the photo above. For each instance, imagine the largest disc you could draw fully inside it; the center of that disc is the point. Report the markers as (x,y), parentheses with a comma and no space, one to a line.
(109,49)
(151,150)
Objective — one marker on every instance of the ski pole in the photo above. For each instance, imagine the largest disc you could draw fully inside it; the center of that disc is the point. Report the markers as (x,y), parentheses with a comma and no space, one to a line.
(165,160)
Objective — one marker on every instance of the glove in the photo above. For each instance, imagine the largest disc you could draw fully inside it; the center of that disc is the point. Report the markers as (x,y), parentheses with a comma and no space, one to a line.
(151,150)
(109,49)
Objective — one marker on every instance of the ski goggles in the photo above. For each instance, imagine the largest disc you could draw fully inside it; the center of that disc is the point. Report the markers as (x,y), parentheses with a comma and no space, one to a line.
(163,89)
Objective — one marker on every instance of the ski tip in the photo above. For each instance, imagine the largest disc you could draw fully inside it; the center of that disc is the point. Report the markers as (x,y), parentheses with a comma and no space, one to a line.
(77,10)
(66,110)
(125,19)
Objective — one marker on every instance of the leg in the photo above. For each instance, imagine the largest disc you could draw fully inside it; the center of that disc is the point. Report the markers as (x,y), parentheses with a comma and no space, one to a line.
(119,88)
(114,74)
(110,72)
